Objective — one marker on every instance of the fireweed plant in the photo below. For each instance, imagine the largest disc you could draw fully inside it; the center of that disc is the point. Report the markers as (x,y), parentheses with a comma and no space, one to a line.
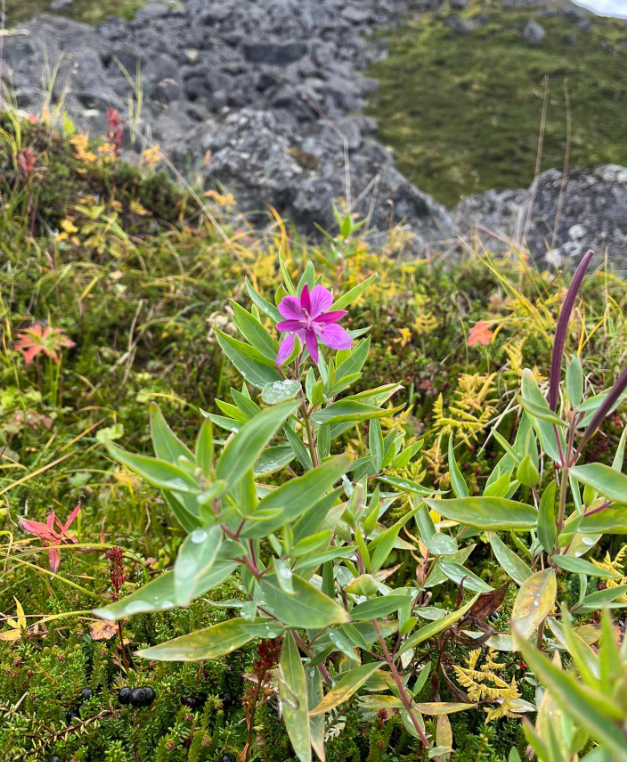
(310,551)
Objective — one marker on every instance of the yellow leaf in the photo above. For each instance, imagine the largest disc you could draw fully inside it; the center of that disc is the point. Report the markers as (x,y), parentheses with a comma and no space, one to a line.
(534,602)
(103,629)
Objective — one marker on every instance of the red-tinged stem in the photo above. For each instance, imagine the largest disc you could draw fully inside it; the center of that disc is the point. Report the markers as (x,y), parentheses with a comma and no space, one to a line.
(401,688)
(306,649)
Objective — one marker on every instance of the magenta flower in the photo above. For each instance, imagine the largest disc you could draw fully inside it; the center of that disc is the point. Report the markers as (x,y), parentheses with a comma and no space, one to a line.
(309,319)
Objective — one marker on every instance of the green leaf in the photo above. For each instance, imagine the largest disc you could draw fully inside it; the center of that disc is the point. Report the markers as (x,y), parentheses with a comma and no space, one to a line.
(204,448)
(527,473)
(581,566)
(596,600)
(273,459)
(266,307)
(438,543)
(385,544)
(348,410)
(242,452)
(355,361)
(547,531)
(574,382)
(512,564)
(293,691)
(375,441)
(297,495)
(544,428)
(157,472)
(350,296)
(540,412)
(314,697)
(158,595)
(307,607)
(612,520)
(167,445)
(196,556)
(212,642)
(433,628)
(254,332)
(378,607)
(460,488)
(534,602)
(603,479)
(456,573)
(589,707)
(252,365)
(350,682)
(486,512)
(279,391)
(408,486)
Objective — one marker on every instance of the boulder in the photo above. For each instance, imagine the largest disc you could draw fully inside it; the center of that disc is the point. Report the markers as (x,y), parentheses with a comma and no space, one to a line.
(593,215)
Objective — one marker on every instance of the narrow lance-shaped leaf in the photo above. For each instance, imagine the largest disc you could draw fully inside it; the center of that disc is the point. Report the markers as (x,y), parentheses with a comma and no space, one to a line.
(562,329)
(212,642)
(486,512)
(589,707)
(245,448)
(293,692)
(196,557)
(347,685)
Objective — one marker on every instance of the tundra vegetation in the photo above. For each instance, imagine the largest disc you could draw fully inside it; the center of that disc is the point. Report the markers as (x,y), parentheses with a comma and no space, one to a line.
(268,500)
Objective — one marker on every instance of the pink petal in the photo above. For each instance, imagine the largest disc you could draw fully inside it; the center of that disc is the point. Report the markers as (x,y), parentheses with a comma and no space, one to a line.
(289,325)
(334,336)
(72,517)
(331,317)
(54,558)
(312,344)
(305,299)
(291,309)
(39,529)
(321,301)
(285,350)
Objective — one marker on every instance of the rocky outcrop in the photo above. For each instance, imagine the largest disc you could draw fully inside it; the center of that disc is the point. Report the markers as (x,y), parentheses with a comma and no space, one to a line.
(271,90)
(265,98)
(558,222)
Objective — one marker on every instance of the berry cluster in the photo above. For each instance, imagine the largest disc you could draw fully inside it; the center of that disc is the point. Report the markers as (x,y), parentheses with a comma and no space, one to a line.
(136,696)
(75,714)
(228,758)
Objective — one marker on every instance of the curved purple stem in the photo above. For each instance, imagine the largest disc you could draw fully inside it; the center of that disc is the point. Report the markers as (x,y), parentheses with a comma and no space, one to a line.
(562,329)
(608,403)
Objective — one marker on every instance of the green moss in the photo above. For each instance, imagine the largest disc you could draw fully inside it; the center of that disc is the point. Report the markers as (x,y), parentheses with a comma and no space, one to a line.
(463,112)
(80,10)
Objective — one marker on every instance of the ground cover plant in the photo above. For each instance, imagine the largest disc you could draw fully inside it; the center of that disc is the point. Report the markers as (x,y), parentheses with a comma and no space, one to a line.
(461,111)
(394,543)
(18,11)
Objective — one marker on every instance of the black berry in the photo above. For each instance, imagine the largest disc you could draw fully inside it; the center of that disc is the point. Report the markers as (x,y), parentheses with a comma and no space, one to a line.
(138,697)
(150,695)
(86,694)
(72,715)
(493,616)
(189,701)
(54,758)
(227,701)
(228,758)
(124,696)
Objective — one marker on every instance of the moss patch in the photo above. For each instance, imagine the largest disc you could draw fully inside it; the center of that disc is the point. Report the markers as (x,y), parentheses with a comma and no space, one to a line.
(463,112)
(80,10)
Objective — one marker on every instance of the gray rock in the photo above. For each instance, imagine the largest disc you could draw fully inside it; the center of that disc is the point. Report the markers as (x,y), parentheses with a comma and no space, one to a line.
(275,53)
(534,33)
(593,214)
(459,25)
